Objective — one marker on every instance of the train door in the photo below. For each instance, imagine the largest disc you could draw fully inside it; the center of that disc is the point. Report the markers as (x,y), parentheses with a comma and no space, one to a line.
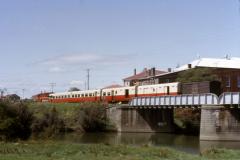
(96,94)
(167,90)
(154,91)
(136,91)
(126,93)
(101,95)
(112,94)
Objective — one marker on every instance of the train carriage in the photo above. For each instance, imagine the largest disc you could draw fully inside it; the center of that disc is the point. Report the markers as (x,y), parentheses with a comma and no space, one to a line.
(119,94)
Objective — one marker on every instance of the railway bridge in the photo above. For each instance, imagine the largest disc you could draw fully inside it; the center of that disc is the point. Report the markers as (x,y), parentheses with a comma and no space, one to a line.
(220,116)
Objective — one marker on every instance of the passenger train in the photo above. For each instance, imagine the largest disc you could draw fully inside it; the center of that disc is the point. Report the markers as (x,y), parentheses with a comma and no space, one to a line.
(115,95)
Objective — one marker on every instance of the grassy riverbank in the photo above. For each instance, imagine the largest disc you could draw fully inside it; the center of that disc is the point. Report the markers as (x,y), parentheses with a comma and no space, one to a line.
(45,150)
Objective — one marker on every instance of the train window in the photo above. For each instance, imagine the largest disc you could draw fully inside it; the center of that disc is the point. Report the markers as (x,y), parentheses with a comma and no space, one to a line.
(86,95)
(65,96)
(82,95)
(104,93)
(68,96)
(78,95)
(115,92)
(108,93)
(90,94)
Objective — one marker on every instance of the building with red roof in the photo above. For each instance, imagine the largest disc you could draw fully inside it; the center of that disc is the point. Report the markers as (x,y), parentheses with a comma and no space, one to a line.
(143,78)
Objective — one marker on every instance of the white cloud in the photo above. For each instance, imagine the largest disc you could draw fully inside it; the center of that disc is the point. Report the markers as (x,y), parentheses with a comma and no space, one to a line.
(68,59)
(76,82)
(56,69)
(84,59)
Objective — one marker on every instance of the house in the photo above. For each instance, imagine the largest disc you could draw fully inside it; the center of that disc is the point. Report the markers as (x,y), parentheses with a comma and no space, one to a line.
(143,78)
(226,69)
(41,97)
(12,97)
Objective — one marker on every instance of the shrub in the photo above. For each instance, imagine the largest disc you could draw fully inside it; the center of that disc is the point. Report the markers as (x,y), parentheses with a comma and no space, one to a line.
(91,117)
(15,121)
(48,125)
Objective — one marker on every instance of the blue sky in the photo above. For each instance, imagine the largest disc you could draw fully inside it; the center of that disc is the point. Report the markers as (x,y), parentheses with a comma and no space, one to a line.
(56,41)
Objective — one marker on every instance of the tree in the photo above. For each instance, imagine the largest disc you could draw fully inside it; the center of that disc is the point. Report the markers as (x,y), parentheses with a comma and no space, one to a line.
(73,89)
(197,75)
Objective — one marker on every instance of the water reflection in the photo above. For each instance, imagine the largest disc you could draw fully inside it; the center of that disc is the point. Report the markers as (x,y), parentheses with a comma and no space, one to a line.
(189,144)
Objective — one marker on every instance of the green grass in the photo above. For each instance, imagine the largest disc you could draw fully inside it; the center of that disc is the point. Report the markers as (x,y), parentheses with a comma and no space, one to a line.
(50,150)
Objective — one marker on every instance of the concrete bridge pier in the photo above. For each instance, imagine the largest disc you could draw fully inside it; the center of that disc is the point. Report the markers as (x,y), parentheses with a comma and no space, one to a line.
(220,123)
(128,119)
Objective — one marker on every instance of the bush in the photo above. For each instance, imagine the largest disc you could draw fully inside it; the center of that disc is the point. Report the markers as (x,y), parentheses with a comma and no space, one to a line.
(197,75)
(48,125)
(15,121)
(91,117)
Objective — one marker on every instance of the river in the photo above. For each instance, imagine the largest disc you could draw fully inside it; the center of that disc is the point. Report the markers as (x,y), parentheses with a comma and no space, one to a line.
(189,144)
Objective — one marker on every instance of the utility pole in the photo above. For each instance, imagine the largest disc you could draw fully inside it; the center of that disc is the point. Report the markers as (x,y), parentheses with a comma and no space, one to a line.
(85,85)
(52,86)
(2,91)
(23,90)
(88,77)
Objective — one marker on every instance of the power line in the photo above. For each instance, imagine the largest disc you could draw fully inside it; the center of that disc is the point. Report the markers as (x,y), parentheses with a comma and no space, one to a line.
(52,86)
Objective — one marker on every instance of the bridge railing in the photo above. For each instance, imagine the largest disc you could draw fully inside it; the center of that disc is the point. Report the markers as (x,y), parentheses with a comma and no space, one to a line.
(178,100)
(229,98)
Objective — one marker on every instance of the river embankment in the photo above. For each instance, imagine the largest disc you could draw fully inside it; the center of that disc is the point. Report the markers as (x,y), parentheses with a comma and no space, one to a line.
(39,150)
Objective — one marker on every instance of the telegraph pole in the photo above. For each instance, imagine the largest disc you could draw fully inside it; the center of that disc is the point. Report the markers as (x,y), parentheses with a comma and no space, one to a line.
(52,86)
(88,77)
(23,91)
(2,91)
